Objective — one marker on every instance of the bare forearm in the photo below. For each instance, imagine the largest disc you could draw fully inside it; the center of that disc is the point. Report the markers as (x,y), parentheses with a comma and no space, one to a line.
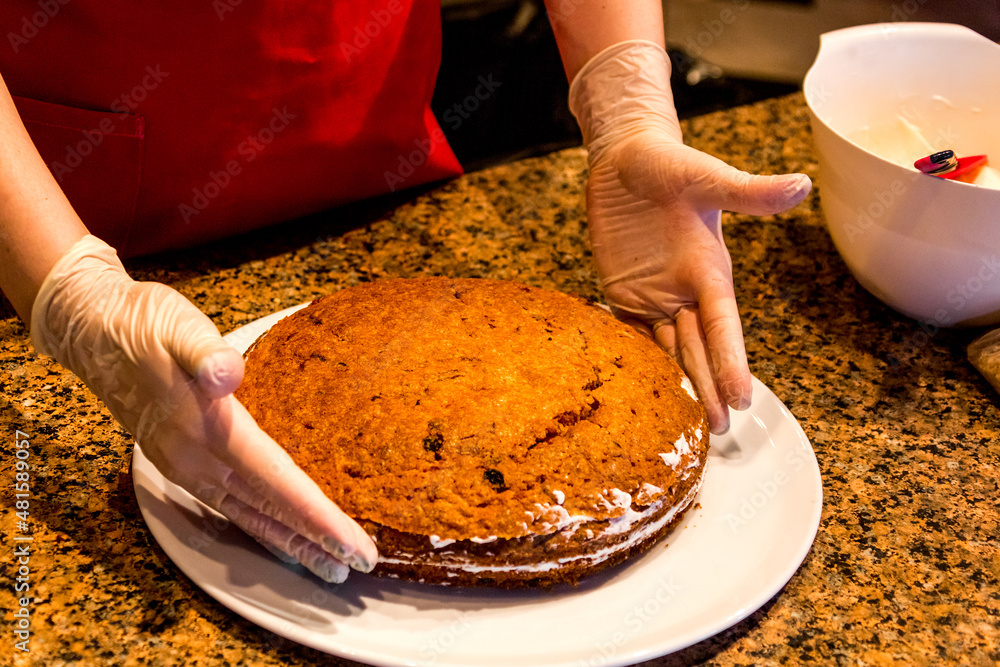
(583,28)
(37,223)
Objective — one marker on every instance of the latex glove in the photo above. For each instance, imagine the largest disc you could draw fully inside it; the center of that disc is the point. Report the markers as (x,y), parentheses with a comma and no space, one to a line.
(167,376)
(654,219)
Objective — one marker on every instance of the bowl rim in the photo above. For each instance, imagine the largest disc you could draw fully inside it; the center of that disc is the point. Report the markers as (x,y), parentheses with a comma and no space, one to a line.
(908,28)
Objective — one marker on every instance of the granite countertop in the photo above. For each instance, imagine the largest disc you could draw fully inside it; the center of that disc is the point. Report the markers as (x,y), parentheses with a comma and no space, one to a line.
(905,566)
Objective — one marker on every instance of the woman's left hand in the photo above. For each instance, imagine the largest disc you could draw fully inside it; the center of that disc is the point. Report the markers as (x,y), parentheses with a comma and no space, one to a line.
(654,213)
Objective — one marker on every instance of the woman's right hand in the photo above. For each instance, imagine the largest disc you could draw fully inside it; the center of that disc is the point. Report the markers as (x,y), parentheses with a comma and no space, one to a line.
(167,376)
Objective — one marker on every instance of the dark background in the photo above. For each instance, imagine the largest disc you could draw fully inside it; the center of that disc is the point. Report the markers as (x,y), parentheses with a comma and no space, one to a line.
(511,40)
(512,43)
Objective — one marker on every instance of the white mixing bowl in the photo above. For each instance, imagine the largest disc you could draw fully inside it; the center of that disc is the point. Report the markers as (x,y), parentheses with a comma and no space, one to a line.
(928,247)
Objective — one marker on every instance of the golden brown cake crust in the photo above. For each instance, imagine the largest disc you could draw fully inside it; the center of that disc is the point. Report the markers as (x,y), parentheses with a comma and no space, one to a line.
(475,409)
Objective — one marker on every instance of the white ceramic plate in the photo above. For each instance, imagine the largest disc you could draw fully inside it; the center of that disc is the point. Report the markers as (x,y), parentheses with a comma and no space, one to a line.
(755,521)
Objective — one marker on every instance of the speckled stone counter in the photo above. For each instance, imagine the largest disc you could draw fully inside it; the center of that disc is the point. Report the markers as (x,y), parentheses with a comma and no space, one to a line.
(904,569)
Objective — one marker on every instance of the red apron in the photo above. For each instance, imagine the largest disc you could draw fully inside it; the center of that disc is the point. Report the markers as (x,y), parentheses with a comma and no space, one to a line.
(171,124)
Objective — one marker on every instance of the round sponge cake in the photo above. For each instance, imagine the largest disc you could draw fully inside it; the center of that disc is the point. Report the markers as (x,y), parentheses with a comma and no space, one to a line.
(483,432)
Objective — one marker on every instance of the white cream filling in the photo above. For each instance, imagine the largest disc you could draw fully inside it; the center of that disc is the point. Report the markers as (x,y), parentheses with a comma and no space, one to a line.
(555,518)
(682,448)
(437,542)
(623,523)
(617,526)
(619,500)
(648,492)
(688,387)
(672,459)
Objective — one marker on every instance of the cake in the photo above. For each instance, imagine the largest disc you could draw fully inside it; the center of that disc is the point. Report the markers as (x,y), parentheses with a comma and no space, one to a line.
(483,432)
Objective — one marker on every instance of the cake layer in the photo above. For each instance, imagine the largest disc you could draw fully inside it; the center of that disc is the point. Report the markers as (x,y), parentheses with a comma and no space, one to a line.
(482,413)
(563,557)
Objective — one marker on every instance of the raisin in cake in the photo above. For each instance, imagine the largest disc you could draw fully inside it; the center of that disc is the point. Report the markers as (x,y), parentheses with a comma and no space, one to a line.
(483,432)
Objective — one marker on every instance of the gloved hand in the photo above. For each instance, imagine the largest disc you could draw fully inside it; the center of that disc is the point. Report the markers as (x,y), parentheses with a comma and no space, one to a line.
(654,219)
(167,376)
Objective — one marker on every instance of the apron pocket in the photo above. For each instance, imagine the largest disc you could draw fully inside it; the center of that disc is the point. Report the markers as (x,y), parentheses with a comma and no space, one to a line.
(96,156)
